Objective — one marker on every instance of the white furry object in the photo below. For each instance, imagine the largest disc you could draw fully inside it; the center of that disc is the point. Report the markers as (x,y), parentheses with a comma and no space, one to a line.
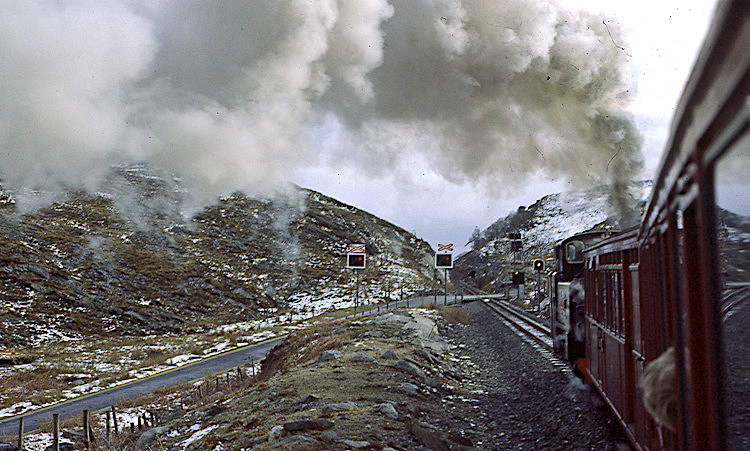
(659,385)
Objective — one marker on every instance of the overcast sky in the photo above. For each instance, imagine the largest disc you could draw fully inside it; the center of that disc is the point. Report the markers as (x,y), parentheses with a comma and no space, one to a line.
(437,115)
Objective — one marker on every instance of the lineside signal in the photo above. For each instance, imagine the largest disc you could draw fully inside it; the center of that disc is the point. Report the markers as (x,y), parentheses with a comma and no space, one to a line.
(444,261)
(355,261)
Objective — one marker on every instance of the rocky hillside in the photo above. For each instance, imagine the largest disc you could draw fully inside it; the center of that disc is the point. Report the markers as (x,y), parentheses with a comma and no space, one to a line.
(124,261)
(548,220)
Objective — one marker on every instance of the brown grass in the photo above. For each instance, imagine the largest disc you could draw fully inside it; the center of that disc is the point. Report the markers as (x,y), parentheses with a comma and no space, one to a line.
(42,378)
(155,359)
(451,315)
(300,347)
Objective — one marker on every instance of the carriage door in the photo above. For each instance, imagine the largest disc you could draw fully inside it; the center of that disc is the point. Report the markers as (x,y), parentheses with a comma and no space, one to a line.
(637,358)
(733,221)
(593,333)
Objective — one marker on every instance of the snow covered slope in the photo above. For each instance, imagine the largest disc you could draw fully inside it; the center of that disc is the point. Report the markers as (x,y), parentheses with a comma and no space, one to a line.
(542,224)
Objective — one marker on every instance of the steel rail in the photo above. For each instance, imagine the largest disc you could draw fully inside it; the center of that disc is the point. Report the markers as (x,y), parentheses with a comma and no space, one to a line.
(538,332)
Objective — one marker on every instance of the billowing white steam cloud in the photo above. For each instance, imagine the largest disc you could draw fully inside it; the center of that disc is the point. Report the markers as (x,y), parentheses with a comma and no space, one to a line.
(221,92)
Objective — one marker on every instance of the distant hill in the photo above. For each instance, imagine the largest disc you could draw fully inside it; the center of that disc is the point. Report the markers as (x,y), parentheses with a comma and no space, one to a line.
(125,260)
(542,224)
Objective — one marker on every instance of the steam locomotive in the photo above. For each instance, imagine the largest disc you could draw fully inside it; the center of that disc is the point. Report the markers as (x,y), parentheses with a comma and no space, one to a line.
(679,284)
(566,297)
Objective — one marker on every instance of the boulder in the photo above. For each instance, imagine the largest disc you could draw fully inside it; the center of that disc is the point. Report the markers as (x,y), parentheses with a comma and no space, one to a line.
(389,355)
(393,318)
(386,409)
(362,357)
(329,355)
(149,436)
(424,333)
(296,440)
(409,368)
(329,436)
(72,435)
(421,326)
(427,436)
(409,389)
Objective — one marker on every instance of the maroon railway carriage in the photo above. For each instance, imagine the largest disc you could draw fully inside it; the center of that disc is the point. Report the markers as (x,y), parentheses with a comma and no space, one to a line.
(613,347)
(681,280)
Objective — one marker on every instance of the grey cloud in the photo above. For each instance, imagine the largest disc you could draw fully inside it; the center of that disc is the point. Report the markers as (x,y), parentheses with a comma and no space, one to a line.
(223,93)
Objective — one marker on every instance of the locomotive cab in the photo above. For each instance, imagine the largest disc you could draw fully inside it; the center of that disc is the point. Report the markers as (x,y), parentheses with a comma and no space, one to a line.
(567,299)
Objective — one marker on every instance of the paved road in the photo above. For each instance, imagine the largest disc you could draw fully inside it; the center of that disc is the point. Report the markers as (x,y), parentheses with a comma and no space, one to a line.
(109,397)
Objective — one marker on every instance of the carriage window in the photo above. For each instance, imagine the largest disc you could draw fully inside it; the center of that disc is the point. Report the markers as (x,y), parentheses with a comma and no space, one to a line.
(733,213)
(574,252)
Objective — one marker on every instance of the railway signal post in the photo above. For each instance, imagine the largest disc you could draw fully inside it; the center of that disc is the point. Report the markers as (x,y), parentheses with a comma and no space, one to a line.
(516,246)
(444,259)
(356,259)
(538,267)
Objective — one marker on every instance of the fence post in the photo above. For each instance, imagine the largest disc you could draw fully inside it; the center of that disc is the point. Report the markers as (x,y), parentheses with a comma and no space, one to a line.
(109,431)
(55,432)
(86,436)
(114,419)
(20,433)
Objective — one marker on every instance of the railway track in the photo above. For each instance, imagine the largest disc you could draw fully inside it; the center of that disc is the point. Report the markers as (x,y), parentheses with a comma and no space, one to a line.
(466,288)
(733,297)
(530,330)
(537,332)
